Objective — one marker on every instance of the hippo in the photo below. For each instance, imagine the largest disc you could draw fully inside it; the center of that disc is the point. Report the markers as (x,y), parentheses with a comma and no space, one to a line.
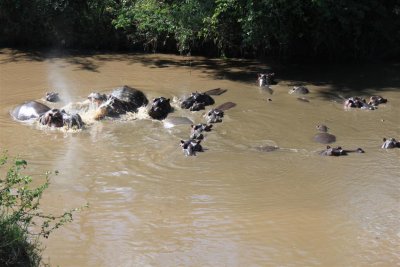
(52,97)
(59,118)
(357,102)
(197,101)
(323,136)
(170,122)
(121,100)
(190,147)
(160,108)
(338,151)
(301,90)
(215,115)
(29,110)
(266,79)
(390,143)
(267,148)
(216,91)
(196,132)
(375,100)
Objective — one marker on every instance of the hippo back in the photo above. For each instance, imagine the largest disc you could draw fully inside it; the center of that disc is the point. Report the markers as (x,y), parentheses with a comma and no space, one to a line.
(324,138)
(29,110)
(134,97)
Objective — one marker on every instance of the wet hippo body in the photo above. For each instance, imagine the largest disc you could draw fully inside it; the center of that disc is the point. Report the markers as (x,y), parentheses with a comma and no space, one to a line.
(301,90)
(160,108)
(338,151)
(197,101)
(390,143)
(121,100)
(29,110)
(358,102)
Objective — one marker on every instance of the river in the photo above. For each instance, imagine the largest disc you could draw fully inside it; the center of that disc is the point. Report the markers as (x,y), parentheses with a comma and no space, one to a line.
(231,205)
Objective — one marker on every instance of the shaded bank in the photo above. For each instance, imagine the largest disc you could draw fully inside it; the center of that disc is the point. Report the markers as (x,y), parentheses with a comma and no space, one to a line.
(287,30)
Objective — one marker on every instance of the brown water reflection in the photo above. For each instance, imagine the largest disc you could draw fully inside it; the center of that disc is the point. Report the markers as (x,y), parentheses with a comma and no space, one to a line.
(231,205)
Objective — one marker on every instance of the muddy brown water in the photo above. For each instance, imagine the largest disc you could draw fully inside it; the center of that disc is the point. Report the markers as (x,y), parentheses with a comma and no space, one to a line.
(231,205)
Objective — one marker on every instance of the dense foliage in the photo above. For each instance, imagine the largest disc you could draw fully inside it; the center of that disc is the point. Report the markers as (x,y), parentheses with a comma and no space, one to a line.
(22,221)
(287,29)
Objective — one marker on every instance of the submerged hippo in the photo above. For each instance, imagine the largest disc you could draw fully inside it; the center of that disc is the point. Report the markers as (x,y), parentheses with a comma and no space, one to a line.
(170,122)
(323,136)
(301,90)
(160,108)
(121,100)
(52,97)
(29,110)
(266,79)
(338,151)
(267,148)
(59,118)
(390,143)
(190,147)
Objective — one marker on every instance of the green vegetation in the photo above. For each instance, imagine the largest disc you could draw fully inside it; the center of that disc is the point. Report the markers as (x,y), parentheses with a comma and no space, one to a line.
(284,29)
(22,222)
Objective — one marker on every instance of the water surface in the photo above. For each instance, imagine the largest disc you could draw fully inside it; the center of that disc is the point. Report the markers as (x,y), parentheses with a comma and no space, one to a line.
(232,205)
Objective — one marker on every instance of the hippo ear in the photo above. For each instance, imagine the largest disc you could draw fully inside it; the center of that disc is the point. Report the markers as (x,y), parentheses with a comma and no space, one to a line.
(384,139)
(328,147)
(168,99)
(182,142)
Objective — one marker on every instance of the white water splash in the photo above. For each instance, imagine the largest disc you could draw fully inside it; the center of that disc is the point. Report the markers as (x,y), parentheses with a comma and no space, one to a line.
(59,83)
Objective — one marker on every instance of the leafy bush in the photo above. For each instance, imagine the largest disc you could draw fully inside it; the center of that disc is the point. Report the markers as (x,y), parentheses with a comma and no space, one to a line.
(22,222)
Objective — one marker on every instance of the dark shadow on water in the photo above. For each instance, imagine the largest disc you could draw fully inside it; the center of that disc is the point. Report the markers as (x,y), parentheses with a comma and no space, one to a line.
(336,80)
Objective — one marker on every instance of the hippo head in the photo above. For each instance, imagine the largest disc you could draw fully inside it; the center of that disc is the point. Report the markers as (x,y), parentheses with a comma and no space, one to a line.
(52,97)
(59,118)
(265,79)
(160,108)
(322,128)
(97,98)
(299,90)
(375,100)
(72,120)
(338,151)
(190,147)
(197,106)
(357,102)
(215,115)
(52,118)
(390,143)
